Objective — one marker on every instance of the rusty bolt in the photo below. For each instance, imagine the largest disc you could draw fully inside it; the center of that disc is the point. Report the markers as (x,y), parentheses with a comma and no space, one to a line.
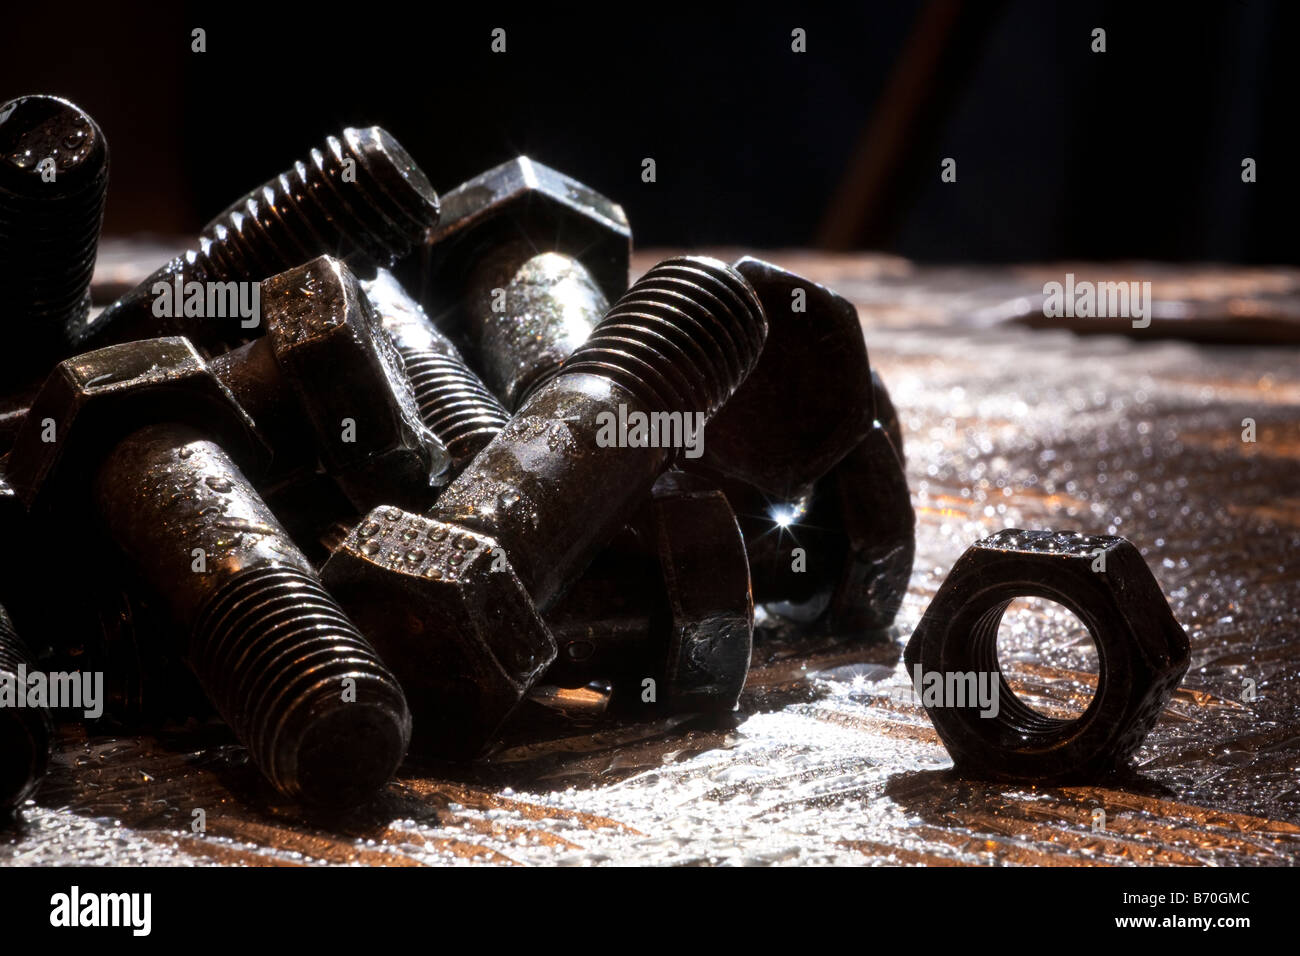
(24,731)
(454,404)
(361,197)
(671,605)
(325,383)
(53,179)
(452,599)
(1142,652)
(321,716)
(529,259)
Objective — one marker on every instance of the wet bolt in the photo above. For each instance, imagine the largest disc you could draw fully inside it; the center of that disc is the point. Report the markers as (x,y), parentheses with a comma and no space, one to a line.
(529,259)
(323,719)
(534,506)
(454,403)
(361,197)
(53,179)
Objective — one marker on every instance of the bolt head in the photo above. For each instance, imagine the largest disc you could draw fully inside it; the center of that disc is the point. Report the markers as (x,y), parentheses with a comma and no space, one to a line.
(90,402)
(807,402)
(449,616)
(342,367)
(525,200)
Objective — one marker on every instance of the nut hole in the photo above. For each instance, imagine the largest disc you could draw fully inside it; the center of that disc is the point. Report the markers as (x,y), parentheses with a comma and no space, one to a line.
(1044,647)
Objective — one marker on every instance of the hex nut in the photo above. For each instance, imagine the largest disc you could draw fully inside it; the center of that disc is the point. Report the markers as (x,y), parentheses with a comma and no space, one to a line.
(710,606)
(808,402)
(1142,654)
(521,199)
(342,367)
(449,616)
(669,599)
(90,402)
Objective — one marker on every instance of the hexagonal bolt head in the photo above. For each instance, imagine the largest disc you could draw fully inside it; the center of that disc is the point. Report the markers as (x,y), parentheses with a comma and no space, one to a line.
(551,251)
(1142,652)
(525,200)
(91,401)
(350,385)
(808,402)
(449,615)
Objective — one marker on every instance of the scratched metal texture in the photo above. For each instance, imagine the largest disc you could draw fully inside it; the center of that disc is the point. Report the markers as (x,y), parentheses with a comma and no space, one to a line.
(830,759)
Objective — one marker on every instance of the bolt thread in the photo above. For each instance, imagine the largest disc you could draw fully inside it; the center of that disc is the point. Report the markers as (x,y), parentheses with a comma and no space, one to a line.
(361,192)
(272,650)
(453,402)
(12,650)
(24,733)
(682,338)
(49,231)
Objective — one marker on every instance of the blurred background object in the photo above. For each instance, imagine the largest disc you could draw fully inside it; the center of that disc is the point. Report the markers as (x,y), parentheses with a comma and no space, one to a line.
(1061,152)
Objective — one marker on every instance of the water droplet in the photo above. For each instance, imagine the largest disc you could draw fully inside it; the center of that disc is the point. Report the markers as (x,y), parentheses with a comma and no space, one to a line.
(218,484)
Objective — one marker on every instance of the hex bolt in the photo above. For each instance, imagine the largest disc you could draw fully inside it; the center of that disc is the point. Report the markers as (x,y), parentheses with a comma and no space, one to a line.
(452,599)
(361,197)
(53,180)
(529,259)
(325,360)
(24,731)
(650,610)
(453,402)
(679,341)
(323,719)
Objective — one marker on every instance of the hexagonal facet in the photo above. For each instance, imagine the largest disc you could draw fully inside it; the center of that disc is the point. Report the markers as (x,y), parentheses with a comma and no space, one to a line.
(449,616)
(710,607)
(91,401)
(809,399)
(523,199)
(350,382)
(1142,652)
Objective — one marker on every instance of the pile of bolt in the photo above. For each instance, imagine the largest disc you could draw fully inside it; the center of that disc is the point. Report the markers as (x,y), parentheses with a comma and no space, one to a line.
(381,508)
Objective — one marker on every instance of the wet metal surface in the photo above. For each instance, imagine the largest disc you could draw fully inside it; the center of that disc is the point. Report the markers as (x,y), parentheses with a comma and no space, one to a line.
(832,758)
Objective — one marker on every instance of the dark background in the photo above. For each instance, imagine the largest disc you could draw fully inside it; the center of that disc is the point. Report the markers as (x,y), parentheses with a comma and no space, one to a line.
(1060,152)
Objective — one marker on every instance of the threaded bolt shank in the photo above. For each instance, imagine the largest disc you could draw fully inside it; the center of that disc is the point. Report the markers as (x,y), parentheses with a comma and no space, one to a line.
(550,487)
(53,180)
(322,717)
(361,196)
